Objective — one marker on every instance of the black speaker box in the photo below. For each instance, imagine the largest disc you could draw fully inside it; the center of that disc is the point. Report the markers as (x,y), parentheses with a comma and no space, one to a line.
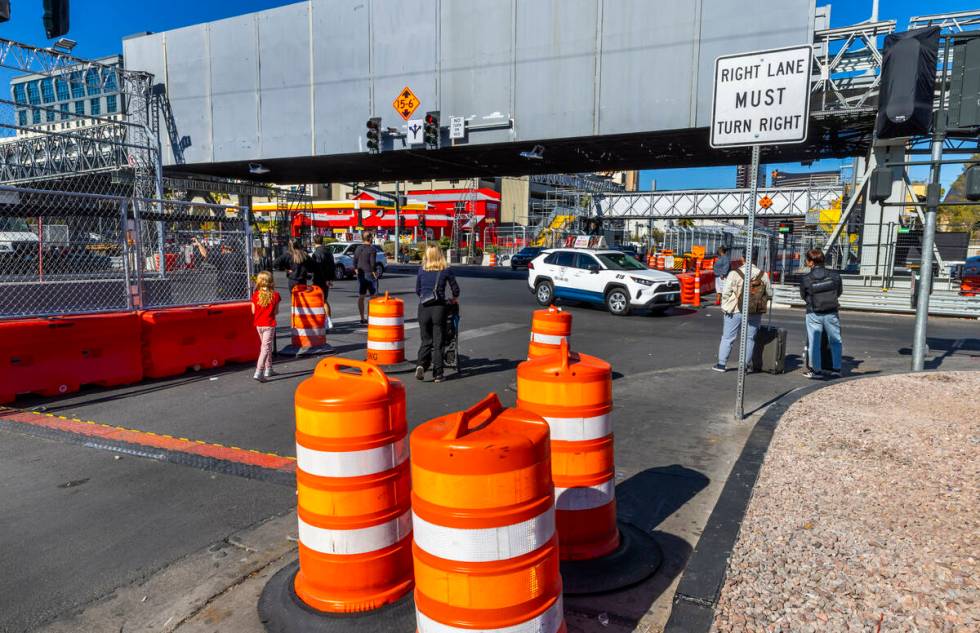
(908,83)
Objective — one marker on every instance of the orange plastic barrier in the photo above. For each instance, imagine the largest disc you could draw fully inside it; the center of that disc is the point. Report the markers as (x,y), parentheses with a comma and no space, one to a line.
(970,286)
(177,339)
(573,393)
(687,288)
(52,356)
(486,552)
(386,331)
(308,321)
(352,483)
(549,327)
(493,260)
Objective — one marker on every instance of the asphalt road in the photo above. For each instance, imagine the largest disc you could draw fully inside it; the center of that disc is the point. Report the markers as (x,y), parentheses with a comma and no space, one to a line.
(77,522)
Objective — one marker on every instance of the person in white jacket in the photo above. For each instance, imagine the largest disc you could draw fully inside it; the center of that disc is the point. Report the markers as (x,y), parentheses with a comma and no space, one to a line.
(731,307)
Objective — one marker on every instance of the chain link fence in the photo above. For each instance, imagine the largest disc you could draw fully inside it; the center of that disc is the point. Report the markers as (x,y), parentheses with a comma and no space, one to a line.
(72,253)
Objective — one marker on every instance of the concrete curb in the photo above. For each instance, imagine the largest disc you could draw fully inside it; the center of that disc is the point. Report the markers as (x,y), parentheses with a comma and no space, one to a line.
(700,585)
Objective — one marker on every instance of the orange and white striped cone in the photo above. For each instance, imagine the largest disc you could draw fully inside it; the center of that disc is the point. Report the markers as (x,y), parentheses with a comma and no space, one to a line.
(386,334)
(573,393)
(353,507)
(483,515)
(308,321)
(697,287)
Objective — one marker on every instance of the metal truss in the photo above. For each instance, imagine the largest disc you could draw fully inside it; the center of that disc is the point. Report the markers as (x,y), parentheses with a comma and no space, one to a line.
(716,203)
(957,22)
(589,183)
(104,145)
(847,80)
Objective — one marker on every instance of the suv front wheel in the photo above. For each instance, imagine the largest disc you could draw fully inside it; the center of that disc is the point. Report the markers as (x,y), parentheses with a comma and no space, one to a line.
(544,292)
(618,302)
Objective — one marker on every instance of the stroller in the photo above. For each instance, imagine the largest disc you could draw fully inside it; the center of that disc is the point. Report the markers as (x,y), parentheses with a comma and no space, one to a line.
(451,354)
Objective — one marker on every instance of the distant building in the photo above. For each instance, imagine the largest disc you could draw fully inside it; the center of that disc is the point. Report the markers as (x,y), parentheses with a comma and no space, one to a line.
(69,99)
(743,176)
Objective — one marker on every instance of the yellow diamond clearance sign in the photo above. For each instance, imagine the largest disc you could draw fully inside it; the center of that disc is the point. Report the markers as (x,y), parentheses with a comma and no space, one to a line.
(406,103)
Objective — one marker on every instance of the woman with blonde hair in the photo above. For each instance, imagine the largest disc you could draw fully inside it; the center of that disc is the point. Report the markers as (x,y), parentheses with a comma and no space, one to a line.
(265,304)
(430,286)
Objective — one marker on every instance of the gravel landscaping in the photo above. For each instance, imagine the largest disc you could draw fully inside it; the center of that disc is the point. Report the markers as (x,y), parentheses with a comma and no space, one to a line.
(866,514)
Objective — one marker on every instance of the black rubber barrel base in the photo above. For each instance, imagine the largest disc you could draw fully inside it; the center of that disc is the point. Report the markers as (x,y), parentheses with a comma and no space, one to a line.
(637,558)
(281,611)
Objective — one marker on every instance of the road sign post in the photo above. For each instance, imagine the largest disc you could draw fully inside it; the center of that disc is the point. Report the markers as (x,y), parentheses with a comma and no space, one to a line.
(760,98)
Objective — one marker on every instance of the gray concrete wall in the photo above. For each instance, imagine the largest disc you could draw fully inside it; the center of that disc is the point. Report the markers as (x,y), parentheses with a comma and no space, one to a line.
(302,79)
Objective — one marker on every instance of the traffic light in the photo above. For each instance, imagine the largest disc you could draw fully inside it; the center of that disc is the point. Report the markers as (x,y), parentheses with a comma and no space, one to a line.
(430,133)
(55,18)
(421,222)
(785,227)
(374,135)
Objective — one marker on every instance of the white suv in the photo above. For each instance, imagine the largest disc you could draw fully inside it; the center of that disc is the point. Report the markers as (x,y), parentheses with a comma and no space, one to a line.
(343,257)
(606,277)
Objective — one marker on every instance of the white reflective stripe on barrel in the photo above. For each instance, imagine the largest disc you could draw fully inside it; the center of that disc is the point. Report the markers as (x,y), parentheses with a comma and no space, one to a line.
(548,622)
(373,320)
(309,311)
(585,498)
(385,345)
(351,463)
(357,541)
(580,429)
(481,545)
(319,331)
(547,339)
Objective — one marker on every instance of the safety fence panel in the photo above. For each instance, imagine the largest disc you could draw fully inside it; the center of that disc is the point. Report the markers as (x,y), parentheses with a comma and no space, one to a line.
(192,254)
(67,253)
(62,253)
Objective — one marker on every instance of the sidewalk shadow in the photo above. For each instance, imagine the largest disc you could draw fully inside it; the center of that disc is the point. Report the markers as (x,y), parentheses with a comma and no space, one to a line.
(646,500)
(948,347)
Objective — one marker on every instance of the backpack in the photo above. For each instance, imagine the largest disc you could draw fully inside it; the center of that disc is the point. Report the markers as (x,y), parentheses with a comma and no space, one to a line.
(823,294)
(758,301)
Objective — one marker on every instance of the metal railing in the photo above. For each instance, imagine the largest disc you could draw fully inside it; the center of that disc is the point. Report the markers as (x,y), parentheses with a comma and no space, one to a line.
(73,253)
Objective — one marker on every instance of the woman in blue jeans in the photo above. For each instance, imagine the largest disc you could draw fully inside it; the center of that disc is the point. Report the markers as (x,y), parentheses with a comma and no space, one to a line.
(821,289)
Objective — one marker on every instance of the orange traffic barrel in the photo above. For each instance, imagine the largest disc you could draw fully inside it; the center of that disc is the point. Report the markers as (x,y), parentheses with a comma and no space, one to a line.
(492,260)
(353,501)
(549,327)
(308,322)
(573,393)
(486,552)
(386,331)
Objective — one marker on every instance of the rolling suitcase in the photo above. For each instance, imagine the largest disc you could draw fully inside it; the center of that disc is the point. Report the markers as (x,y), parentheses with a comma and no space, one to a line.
(769,354)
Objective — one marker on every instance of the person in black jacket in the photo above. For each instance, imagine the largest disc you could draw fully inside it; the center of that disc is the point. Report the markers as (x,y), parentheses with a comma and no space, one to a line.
(821,289)
(297,264)
(324,270)
(430,286)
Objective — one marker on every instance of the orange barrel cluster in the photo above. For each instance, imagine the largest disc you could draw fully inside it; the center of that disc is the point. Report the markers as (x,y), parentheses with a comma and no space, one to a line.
(486,552)
(308,320)
(353,489)
(386,331)
(549,327)
(573,393)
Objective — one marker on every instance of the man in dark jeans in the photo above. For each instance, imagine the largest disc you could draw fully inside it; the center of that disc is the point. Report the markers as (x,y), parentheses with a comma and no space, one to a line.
(324,269)
(367,280)
(821,289)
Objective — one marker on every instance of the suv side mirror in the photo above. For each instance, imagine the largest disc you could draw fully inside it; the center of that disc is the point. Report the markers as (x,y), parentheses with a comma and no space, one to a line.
(594,269)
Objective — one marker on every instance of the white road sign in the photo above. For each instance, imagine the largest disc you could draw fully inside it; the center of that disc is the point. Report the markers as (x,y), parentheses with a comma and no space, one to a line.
(457,127)
(415,129)
(761,98)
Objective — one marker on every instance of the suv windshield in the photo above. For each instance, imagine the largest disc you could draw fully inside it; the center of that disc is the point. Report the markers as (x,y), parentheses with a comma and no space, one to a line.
(620,261)
(338,248)
(13,225)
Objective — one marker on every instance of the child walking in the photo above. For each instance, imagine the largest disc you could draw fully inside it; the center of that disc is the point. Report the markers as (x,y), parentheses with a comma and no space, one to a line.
(265,304)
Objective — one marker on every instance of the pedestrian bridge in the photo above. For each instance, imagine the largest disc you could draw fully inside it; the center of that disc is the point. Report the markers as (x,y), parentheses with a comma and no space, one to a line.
(597,84)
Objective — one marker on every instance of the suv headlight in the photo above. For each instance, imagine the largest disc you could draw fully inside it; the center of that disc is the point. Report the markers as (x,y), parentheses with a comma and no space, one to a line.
(642,281)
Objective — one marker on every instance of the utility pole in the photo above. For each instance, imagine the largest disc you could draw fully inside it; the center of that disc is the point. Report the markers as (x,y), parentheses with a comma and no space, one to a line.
(398,220)
(919,345)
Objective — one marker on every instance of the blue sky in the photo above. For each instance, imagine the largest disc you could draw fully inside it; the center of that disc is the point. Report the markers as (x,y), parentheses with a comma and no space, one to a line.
(99,25)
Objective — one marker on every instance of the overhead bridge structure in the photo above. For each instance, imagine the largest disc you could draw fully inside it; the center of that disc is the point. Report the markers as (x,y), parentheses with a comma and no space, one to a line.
(598,84)
(716,203)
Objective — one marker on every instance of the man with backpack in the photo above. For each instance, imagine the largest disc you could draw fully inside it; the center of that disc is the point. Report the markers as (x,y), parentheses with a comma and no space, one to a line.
(821,290)
(324,270)
(760,291)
